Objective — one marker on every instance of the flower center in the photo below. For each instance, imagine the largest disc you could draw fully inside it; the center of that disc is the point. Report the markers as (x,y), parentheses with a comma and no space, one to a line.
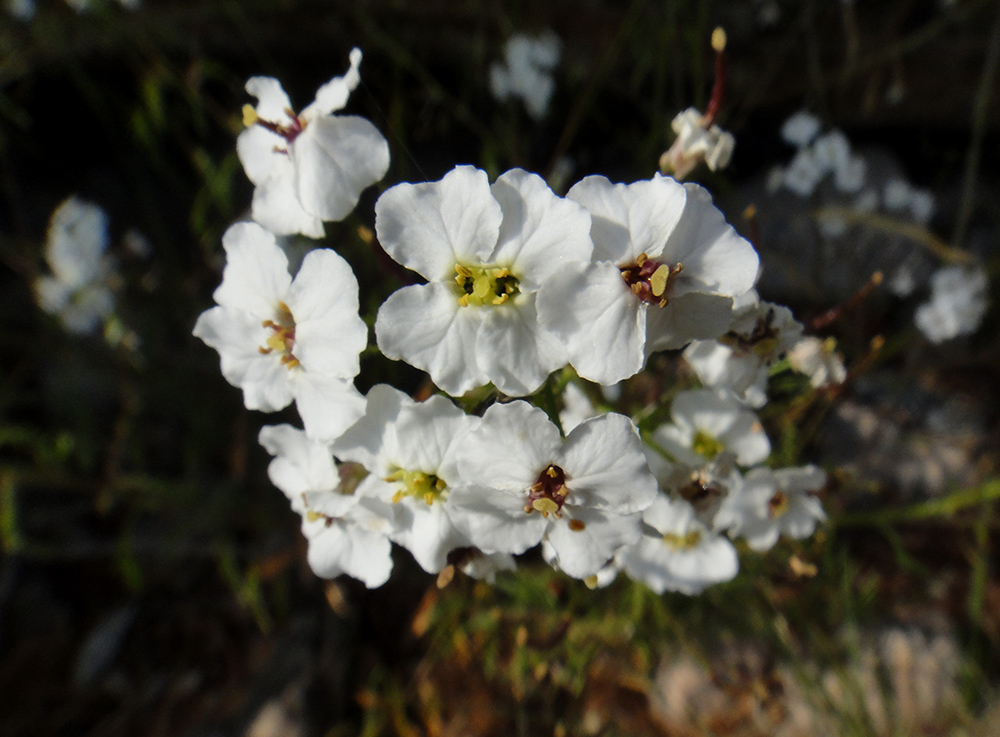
(650,280)
(777,505)
(289,131)
(682,542)
(548,494)
(706,445)
(417,484)
(700,493)
(282,336)
(485,285)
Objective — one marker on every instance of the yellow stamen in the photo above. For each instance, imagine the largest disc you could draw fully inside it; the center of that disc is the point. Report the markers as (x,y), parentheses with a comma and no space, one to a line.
(658,281)
(545,506)
(719,40)
(250,116)
(682,542)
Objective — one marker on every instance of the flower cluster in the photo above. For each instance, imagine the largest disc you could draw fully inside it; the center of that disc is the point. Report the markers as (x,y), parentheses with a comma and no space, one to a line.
(518,284)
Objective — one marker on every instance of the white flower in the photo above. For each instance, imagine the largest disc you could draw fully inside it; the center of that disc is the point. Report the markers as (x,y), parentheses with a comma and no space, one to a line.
(577,407)
(760,334)
(281,339)
(957,305)
(309,167)
(804,172)
(21,9)
(488,253)
(898,194)
(526,71)
(677,552)
(346,532)
(696,142)
(667,268)
(77,292)
(706,423)
(409,450)
(771,503)
(800,129)
(522,482)
(819,360)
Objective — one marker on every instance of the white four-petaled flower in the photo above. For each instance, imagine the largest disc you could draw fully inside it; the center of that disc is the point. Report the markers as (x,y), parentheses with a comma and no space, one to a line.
(489,253)
(311,166)
(666,269)
(281,339)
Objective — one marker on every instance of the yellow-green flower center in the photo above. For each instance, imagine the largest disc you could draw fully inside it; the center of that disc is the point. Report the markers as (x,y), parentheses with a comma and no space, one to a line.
(706,445)
(682,542)
(777,505)
(485,285)
(417,484)
(282,337)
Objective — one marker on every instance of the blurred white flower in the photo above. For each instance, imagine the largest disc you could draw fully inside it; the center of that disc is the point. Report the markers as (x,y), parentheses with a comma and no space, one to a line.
(312,166)
(760,334)
(347,532)
(281,339)
(696,142)
(819,360)
(800,129)
(898,194)
(21,9)
(409,450)
(524,482)
(706,423)
(771,503)
(957,305)
(488,252)
(526,71)
(78,291)
(666,269)
(677,552)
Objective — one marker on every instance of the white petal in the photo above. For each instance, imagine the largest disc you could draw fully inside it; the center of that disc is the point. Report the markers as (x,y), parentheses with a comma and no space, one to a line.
(336,158)
(494,520)
(323,299)
(428,533)
(276,204)
(514,351)
(716,258)
(272,102)
(541,232)
(426,432)
(363,441)
(425,326)
(513,444)
(256,148)
(430,227)
(346,548)
(327,405)
(692,316)
(601,321)
(608,207)
(256,277)
(583,552)
(606,467)
(333,95)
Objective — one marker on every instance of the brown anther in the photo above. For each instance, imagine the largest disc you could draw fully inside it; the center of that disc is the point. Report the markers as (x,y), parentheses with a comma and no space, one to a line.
(576,525)
(777,505)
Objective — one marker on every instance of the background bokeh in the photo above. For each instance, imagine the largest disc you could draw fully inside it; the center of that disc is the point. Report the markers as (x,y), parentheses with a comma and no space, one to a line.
(153,582)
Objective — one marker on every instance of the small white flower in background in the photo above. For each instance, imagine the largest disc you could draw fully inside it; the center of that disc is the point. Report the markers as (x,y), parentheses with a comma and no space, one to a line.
(78,291)
(800,129)
(957,305)
(706,423)
(488,252)
(819,360)
(666,269)
(771,503)
(696,142)
(677,552)
(527,71)
(312,166)
(898,194)
(577,407)
(523,483)
(281,339)
(347,532)
(760,334)
(704,485)
(479,565)
(409,450)
(21,9)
